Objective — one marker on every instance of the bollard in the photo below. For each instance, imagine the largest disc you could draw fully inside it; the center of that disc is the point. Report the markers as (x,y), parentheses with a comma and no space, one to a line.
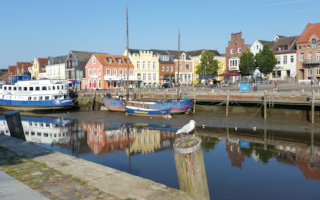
(190,167)
(14,124)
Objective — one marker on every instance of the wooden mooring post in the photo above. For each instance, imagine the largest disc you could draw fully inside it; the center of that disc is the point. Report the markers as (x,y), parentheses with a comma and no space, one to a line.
(265,106)
(312,108)
(227,104)
(194,100)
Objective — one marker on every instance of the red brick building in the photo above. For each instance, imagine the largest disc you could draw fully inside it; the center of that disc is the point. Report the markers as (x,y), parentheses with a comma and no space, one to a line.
(166,65)
(308,52)
(233,53)
(23,67)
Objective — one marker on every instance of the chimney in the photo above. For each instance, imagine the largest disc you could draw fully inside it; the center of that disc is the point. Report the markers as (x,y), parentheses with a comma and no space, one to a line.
(309,24)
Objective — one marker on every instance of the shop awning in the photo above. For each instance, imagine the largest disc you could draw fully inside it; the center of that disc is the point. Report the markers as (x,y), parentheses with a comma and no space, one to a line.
(231,74)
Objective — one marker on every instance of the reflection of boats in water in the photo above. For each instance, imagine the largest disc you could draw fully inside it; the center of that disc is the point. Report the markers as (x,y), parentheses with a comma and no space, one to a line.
(41,129)
(131,110)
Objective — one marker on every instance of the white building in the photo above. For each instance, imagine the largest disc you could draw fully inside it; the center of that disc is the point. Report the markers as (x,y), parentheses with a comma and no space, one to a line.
(56,68)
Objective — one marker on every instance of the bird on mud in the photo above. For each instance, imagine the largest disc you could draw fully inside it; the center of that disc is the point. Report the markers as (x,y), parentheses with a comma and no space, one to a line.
(187,128)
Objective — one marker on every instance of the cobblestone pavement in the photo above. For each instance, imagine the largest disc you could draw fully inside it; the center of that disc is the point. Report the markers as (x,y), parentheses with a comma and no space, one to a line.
(49,182)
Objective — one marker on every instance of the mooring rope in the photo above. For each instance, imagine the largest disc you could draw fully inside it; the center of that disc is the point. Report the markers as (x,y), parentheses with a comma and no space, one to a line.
(258,110)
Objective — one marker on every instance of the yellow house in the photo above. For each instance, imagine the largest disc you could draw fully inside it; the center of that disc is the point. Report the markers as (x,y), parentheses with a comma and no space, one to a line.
(36,67)
(196,56)
(146,66)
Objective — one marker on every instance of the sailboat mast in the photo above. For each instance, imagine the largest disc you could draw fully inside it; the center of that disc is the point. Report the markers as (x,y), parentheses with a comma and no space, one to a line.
(178,90)
(128,61)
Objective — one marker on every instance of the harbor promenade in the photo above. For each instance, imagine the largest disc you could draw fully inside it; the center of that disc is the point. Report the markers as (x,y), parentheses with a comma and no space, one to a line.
(55,175)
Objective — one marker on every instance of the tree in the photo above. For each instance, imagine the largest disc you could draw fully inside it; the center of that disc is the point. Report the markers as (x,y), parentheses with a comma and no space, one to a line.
(166,75)
(247,63)
(208,64)
(266,60)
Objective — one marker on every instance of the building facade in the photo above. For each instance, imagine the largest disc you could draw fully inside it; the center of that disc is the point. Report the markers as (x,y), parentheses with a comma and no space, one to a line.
(185,66)
(285,51)
(166,66)
(104,71)
(236,46)
(308,53)
(36,65)
(56,68)
(146,66)
(23,67)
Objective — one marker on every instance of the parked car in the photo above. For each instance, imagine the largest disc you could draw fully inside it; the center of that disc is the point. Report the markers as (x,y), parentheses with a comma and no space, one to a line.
(165,85)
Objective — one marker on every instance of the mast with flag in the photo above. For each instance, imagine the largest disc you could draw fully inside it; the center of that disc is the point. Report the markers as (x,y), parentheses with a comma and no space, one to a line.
(128,61)
(178,89)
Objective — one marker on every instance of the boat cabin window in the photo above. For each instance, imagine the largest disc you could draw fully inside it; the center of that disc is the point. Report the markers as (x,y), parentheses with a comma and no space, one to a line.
(34,98)
(61,87)
(29,98)
(49,88)
(20,88)
(4,88)
(38,134)
(45,134)
(30,88)
(37,88)
(40,98)
(25,88)
(41,124)
(44,88)
(53,87)
(14,88)
(26,133)
(46,98)
(64,96)
(9,88)
(58,87)
(47,125)
(32,133)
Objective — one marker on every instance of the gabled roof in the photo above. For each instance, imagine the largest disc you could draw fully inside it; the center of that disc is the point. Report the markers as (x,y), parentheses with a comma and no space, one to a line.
(43,61)
(163,52)
(137,51)
(24,64)
(82,55)
(283,41)
(309,31)
(199,52)
(269,43)
(174,54)
(103,59)
(57,59)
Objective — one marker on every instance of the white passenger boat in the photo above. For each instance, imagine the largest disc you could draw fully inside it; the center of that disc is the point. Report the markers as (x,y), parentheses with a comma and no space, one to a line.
(35,95)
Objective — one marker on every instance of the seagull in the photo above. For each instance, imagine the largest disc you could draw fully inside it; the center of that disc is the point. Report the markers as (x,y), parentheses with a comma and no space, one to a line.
(150,117)
(187,128)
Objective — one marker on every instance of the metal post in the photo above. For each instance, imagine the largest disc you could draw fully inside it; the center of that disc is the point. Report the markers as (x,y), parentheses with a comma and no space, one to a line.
(227,104)
(265,105)
(312,108)
(14,124)
(194,100)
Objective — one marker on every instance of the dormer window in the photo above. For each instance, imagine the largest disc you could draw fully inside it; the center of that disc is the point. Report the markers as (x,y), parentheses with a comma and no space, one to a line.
(119,60)
(280,48)
(286,47)
(109,60)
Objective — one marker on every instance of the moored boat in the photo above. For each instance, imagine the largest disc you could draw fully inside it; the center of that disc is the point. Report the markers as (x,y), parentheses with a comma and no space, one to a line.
(36,95)
(132,110)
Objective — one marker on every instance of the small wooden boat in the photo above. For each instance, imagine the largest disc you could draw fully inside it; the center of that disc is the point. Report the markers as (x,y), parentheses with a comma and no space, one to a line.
(131,110)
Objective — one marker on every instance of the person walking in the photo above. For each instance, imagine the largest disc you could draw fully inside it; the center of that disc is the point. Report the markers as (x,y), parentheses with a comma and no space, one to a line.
(275,84)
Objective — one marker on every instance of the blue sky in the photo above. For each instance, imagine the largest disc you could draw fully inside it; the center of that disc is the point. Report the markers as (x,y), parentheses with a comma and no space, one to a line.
(54,27)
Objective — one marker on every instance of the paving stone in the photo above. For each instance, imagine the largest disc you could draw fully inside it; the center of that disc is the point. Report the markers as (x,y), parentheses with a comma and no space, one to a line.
(75,198)
(66,194)
(13,167)
(47,171)
(85,192)
(74,184)
(36,173)
(48,194)
(56,189)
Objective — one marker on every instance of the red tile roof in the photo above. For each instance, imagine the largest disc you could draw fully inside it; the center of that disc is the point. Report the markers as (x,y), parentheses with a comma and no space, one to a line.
(103,60)
(43,61)
(309,31)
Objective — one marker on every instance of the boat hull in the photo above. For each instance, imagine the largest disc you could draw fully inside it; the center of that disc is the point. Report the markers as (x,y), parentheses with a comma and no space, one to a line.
(36,105)
(177,107)
(148,112)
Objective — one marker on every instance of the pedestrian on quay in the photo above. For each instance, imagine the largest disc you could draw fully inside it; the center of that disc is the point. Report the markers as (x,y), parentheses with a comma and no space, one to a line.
(130,87)
(275,84)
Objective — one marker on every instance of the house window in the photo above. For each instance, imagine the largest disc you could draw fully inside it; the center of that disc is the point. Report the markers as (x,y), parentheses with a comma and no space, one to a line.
(138,65)
(144,65)
(286,47)
(299,47)
(318,70)
(139,76)
(232,51)
(257,47)
(108,72)
(318,55)
(309,71)
(304,47)
(171,68)
(167,68)
(94,72)
(278,60)
(309,55)
(144,76)
(162,68)
(99,71)
(284,59)
(120,72)
(114,72)
(292,59)
(109,60)
(149,65)
(131,72)
(155,77)
(239,50)
(187,67)
(180,66)
(125,72)
(154,65)
(222,66)
(149,77)
(308,47)
(280,48)
(89,72)
(99,83)
(93,60)
(314,43)
(301,57)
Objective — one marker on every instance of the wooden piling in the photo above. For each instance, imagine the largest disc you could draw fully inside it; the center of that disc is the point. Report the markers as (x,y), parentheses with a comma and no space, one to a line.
(312,108)
(265,106)
(227,104)
(191,172)
(194,100)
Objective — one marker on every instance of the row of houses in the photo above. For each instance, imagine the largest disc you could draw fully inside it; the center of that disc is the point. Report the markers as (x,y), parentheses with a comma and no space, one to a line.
(298,58)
